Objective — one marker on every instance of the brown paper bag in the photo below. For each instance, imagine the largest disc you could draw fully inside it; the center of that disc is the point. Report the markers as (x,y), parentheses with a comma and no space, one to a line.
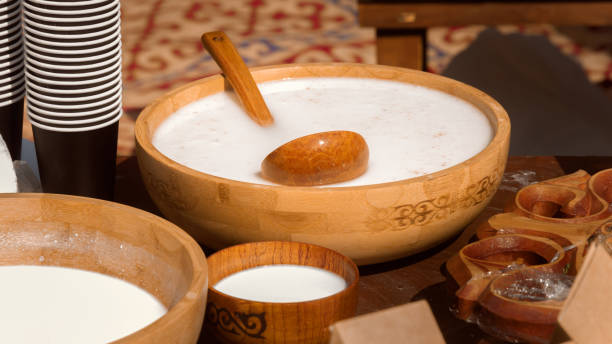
(587,312)
(410,323)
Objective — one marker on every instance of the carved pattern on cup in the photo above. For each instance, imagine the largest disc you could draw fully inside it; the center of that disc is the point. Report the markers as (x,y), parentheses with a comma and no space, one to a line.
(236,324)
(435,209)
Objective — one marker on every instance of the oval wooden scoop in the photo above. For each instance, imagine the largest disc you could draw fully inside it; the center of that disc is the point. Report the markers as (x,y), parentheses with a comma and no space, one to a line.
(236,72)
(318,159)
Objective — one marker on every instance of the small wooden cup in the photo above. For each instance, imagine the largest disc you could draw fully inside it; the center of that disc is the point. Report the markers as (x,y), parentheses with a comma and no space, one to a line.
(236,320)
(116,240)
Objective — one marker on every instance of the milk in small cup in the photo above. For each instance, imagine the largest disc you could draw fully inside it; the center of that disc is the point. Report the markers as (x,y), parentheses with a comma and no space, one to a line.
(281,283)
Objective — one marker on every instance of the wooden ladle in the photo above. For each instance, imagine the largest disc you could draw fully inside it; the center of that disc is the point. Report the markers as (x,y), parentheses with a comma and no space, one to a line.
(318,159)
(236,72)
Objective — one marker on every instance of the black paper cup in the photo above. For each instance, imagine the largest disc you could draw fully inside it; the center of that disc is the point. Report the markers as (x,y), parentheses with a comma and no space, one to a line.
(9,7)
(97,63)
(69,41)
(62,12)
(73,102)
(9,92)
(70,30)
(69,5)
(68,71)
(74,110)
(77,163)
(76,114)
(13,54)
(53,56)
(107,31)
(11,21)
(11,126)
(80,22)
(91,49)
(9,13)
(61,72)
(10,32)
(85,97)
(14,43)
(107,89)
(15,78)
(12,69)
(83,45)
(67,80)
(58,54)
(74,122)
(9,88)
(74,60)
(74,88)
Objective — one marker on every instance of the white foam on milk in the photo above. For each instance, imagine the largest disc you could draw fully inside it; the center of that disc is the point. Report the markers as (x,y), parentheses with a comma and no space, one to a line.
(410,130)
(282,283)
(44,304)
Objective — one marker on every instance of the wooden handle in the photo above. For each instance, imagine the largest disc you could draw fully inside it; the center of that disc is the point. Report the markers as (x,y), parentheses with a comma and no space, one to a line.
(236,72)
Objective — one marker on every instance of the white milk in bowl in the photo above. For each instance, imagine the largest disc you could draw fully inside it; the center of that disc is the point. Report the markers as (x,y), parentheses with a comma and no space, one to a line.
(282,283)
(45,304)
(410,130)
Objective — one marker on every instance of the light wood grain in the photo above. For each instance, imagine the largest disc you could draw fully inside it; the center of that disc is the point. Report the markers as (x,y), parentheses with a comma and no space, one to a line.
(370,224)
(115,240)
(225,54)
(296,322)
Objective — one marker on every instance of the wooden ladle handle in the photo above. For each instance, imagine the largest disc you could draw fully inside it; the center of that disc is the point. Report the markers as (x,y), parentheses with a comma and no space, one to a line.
(236,72)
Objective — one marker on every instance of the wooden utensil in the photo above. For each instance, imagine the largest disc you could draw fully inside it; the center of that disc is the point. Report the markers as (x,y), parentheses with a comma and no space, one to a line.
(236,72)
(318,159)
(553,220)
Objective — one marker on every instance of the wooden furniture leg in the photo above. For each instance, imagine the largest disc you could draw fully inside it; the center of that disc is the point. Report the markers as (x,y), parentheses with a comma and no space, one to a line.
(402,48)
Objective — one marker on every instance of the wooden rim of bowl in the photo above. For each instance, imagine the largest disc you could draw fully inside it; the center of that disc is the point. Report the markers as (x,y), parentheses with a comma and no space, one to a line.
(495,113)
(350,288)
(197,259)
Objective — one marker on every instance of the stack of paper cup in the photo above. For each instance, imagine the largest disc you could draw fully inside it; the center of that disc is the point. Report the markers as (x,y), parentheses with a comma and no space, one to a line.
(12,85)
(73,83)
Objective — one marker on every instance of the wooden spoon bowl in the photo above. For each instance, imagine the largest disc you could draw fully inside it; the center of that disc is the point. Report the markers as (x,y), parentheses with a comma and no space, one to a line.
(318,159)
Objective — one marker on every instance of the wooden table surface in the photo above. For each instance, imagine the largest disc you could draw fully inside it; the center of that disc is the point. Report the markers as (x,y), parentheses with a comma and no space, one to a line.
(417,277)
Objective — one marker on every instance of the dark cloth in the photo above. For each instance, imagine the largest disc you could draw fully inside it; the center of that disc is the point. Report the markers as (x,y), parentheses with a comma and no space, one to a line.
(553,108)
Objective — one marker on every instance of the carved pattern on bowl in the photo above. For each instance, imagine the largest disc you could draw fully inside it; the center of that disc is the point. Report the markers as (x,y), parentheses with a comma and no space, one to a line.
(425,212)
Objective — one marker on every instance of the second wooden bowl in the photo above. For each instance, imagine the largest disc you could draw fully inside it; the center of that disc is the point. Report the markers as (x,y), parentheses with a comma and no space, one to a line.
(115,240)
(236,320)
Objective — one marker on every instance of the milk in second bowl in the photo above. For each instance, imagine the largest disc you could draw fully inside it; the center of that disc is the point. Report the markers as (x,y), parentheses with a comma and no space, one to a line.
(52,304)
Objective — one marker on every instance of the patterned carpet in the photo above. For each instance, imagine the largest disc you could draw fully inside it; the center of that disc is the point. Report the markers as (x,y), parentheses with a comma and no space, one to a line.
(162,49)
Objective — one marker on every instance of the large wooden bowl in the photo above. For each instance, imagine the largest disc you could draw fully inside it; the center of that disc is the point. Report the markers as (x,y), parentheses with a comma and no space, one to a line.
(116,240)
(370,224)
(236,320)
